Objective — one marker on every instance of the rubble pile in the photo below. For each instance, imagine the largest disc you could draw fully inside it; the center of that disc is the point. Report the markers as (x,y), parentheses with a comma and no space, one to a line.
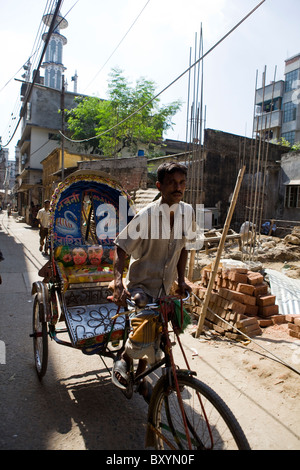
(240,297)
(266,248)
(294,237)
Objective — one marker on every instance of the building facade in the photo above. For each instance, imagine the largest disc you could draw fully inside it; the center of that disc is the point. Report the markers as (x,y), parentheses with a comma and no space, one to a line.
(53,63)
(290,186)
(42,119)
(52,167)
(277,113)
(39,137)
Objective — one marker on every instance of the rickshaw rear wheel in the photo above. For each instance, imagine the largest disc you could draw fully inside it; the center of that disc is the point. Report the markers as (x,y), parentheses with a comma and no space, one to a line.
(40,339)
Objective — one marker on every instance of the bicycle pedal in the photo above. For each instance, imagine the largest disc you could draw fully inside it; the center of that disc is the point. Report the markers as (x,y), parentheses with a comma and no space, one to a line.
(128,392)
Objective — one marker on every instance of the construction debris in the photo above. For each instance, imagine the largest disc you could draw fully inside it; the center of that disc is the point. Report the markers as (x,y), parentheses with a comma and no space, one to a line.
(294,237)
(212,239)
(293,325)
(240,299)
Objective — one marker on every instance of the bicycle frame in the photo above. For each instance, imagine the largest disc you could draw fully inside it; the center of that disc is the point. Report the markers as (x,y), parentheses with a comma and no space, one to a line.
(168,359)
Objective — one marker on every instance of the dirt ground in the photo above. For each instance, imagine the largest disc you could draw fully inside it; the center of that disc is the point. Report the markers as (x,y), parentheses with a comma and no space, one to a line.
(259,379)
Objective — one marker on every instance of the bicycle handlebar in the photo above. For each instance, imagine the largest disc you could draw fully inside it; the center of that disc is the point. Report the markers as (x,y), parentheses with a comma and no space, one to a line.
(131,303)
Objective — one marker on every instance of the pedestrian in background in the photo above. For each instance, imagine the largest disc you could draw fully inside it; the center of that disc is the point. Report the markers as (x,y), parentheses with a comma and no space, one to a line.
(43,216)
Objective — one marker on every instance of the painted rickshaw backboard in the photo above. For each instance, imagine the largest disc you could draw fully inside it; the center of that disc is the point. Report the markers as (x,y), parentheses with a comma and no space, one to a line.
(88,209)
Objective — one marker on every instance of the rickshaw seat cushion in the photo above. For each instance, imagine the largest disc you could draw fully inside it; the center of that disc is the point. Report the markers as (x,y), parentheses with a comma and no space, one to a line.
(93,325)
(76,275)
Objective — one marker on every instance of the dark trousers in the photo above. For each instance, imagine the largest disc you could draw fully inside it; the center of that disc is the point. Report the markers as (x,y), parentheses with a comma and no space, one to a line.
(43,235)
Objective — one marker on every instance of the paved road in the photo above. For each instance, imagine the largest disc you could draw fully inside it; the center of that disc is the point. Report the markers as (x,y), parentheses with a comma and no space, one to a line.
(75,406)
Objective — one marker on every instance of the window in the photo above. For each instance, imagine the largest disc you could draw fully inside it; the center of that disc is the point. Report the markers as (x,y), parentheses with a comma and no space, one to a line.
(59,53)
(28,114)
(289,112)
(52,78)
(289,79)
(289,137)
(53,51)
(47,77)
(48,54)
(271,105)
(293,196)
(58,80)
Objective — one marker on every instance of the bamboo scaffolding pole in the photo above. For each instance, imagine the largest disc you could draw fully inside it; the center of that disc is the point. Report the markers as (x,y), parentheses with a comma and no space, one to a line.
(188,102)
(194,125)
(200,125)
(191,265)
(220,250)
(258,174)
(254,168)
(253,151)
(267,151)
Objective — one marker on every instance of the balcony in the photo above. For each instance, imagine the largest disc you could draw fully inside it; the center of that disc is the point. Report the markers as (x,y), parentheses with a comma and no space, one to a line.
(25,145)
(270,92)
(268,121)
(29,178)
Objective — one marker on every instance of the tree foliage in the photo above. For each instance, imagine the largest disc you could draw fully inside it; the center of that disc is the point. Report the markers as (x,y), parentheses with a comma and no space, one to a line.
(93,117)
(285,143)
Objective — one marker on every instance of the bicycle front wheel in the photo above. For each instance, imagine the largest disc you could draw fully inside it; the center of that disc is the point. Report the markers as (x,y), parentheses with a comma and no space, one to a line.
(210,423)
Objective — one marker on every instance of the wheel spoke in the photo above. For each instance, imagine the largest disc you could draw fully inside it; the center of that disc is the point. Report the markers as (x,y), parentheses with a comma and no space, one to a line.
(40,340)
(210,423)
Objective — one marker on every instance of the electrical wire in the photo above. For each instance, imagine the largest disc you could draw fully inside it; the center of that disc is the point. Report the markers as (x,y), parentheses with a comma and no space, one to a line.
(41,27)
(18,111)
(49,11)
(172,83)
(42,146)
(7,83)
(29,90)
(118,44)
(35,49)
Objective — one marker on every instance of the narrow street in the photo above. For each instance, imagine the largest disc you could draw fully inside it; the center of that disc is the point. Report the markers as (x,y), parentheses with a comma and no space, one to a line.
(76,406)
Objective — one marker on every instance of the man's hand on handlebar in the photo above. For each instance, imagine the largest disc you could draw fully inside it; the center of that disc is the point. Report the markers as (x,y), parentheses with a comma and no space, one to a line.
(182,289)
(120,295)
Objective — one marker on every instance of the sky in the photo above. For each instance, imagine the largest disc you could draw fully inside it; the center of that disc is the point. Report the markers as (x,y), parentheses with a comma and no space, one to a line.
(158,37)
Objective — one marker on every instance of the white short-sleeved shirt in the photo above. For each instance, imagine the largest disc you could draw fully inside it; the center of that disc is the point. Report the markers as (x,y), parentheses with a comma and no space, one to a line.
(154,247)
(44,217)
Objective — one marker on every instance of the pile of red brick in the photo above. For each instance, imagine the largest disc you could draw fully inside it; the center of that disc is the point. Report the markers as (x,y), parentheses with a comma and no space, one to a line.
(240,297)
(293,325)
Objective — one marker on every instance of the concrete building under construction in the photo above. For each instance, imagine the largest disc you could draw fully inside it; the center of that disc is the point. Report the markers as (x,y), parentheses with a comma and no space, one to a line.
(277,113)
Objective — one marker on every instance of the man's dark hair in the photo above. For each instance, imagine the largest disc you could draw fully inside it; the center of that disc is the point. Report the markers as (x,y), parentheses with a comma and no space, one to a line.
(169,168)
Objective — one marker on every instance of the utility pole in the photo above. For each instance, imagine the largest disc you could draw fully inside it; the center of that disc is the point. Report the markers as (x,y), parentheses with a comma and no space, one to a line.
(62,108)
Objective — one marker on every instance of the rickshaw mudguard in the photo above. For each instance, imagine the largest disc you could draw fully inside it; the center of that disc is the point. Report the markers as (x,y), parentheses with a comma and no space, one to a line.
(40,289)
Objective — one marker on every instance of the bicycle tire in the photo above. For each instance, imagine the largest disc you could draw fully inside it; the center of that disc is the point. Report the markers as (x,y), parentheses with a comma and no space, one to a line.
(40,340)
(218,430)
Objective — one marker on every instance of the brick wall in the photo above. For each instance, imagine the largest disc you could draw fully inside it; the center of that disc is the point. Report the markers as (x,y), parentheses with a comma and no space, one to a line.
(223,153)
(130,172)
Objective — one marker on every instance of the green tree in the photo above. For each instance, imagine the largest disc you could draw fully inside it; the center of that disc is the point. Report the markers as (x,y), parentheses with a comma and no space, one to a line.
(285,143)
(93,117)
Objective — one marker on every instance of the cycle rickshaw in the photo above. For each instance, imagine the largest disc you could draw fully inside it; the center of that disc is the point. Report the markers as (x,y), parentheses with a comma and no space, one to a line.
(88,209)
